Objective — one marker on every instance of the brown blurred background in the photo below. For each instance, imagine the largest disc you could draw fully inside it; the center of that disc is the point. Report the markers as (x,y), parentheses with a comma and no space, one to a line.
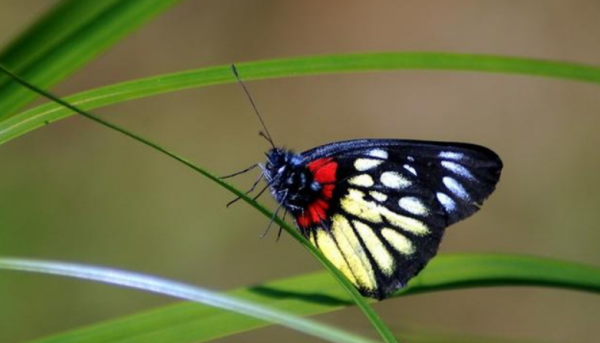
(75,191)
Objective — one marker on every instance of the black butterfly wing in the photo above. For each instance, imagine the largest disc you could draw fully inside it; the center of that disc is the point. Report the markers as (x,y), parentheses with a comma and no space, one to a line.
(393,200)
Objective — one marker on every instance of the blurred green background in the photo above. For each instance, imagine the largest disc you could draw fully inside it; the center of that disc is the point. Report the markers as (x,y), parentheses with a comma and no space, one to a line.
(75,191)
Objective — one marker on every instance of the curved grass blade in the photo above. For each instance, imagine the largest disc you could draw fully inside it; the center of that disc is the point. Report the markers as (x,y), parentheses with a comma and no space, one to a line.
(313,65)
(182,291)
(316,293)
(371,315)
(48,32)
(66,39)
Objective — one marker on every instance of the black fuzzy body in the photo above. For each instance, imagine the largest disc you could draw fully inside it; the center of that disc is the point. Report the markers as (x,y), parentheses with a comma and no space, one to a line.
(291,182)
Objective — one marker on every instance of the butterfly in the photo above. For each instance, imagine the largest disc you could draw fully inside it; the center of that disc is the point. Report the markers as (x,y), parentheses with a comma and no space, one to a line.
(378,208)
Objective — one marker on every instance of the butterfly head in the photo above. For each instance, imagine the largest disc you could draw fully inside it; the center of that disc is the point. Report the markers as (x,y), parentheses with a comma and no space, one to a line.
(291,182)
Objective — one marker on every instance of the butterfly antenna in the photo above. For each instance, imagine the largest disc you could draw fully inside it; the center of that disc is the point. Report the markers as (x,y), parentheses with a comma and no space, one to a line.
(264,133)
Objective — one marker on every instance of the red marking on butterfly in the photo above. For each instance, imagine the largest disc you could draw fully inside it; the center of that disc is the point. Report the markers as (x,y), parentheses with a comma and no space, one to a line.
(323,171)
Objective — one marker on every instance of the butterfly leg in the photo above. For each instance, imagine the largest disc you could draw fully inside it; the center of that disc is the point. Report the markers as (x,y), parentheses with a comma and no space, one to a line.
(285,212)
(260,177)
(261,192)
(240,172)
(273,218)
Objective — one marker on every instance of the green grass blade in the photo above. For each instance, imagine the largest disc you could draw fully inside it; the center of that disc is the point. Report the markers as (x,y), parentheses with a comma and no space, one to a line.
(68,37)
(40,116)
(182,291)
(49,31)
(476,270)
(317,293)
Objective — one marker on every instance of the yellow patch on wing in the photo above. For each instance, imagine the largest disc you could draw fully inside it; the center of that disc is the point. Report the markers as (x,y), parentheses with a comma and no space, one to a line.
(363,180)
(405,223)
(332,252)
(312,237)
(355,204)
(380,253)
(353,251)
(398,241)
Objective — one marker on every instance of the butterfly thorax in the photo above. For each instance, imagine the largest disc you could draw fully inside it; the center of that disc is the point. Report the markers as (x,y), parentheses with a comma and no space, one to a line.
(291,182)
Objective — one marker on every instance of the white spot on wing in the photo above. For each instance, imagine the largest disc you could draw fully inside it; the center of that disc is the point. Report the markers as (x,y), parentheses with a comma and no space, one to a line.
(362,180)
(394,180)
(378,196)
(413,205)
(457,156)
(410,169)
(379,153)
(446,201)
(363,164)
(410,158)
(455,187)
(458,169)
